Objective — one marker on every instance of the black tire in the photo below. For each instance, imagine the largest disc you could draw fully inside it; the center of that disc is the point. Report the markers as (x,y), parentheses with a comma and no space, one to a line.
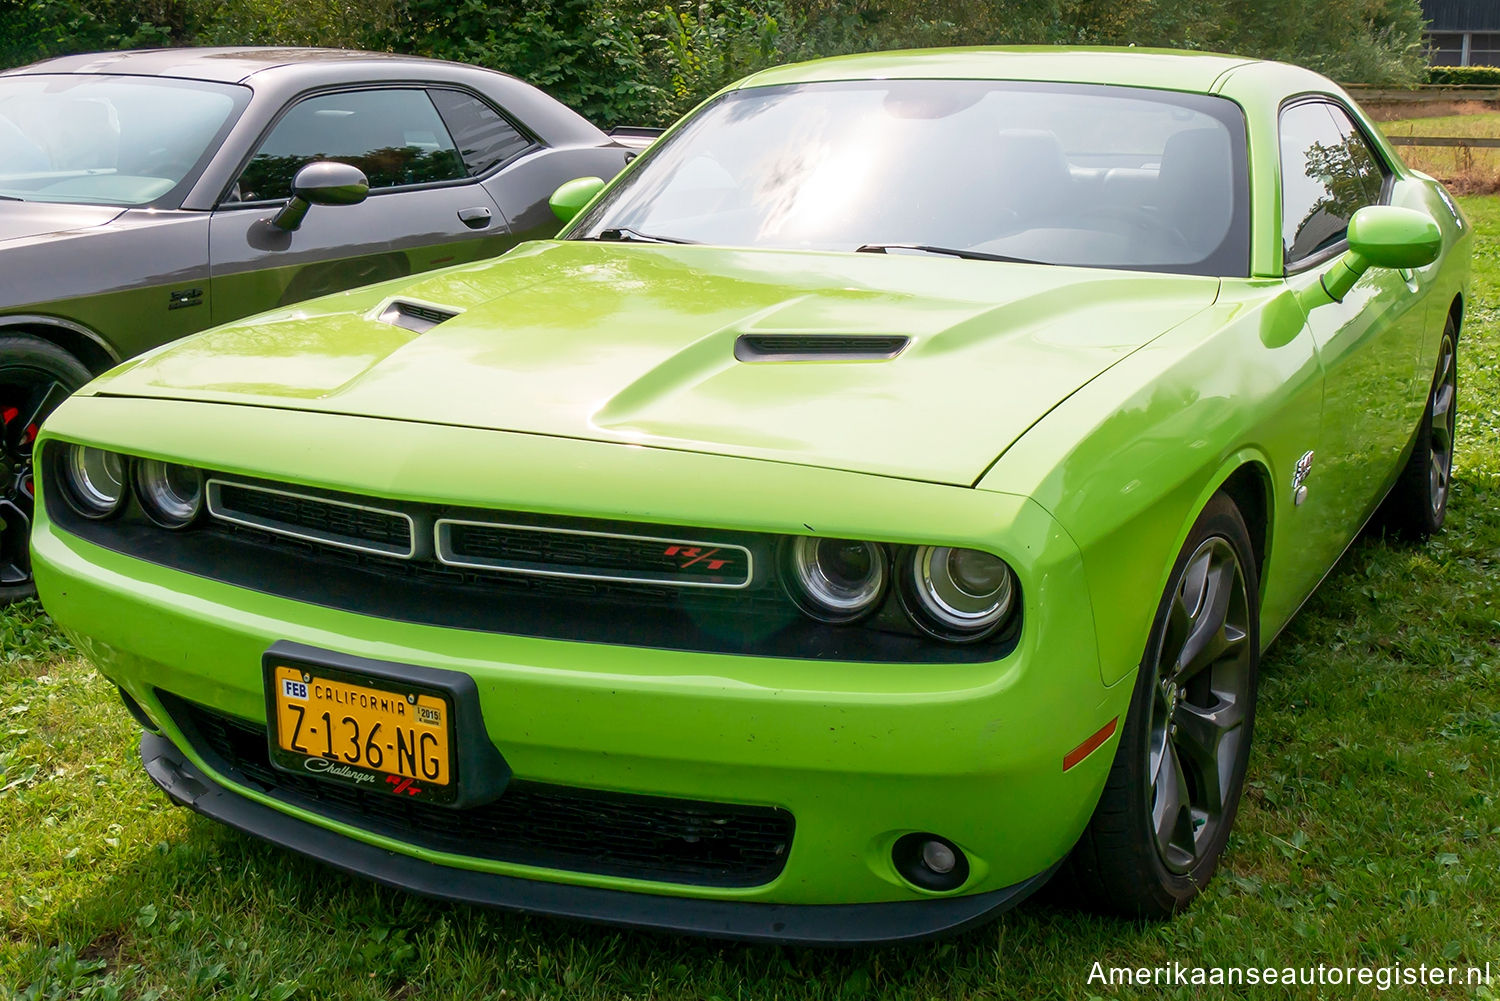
(1121,864)
(35,376)
(1418,504)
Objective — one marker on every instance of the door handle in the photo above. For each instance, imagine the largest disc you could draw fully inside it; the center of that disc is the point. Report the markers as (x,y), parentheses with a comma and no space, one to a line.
(477,217)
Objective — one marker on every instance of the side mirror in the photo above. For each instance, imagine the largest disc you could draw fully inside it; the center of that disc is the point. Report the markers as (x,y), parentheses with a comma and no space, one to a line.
(1389,237)
(324,182)
(1381,236)
(569,199)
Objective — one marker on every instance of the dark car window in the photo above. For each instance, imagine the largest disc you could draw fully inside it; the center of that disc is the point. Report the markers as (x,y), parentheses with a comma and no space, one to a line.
(395,136)
(1068,174)
(109,140)
(1327,174)
(484,137)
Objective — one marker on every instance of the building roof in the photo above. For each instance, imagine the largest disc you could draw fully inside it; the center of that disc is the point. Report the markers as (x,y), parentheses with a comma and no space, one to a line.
(1462,15)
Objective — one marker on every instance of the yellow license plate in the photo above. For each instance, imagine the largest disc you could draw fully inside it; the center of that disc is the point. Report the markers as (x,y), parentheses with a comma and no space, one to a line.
(362,734)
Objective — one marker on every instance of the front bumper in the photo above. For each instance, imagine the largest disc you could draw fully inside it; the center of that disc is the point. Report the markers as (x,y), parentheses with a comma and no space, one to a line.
(860,754)
(808,924)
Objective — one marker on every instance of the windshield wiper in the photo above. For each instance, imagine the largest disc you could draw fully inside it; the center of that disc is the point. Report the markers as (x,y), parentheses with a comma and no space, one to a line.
(10,198)
(625,234)
(968,255)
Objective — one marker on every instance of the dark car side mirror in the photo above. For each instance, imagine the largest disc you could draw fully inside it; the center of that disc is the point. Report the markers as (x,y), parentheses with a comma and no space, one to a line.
(1380,236)
(323,182)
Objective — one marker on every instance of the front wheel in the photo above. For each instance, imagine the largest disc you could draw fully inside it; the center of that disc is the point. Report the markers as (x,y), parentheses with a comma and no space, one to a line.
(1173,791)
(35,376)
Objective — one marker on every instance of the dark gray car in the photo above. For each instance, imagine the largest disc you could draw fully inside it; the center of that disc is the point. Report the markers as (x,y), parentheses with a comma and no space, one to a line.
(147,195)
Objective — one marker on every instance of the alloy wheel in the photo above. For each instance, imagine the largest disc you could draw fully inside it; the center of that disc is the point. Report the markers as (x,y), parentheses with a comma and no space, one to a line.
(1444,420)
(1203,679)
(27,396)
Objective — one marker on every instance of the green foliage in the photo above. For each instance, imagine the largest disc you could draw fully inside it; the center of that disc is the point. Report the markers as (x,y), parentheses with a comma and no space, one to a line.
(645,62)
(1459,76)
(38,29)
(333,23)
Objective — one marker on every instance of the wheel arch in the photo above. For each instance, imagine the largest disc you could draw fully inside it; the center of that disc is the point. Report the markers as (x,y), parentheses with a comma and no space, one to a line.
(79,341)
(1245,477)
(1456,314)
(1249,486)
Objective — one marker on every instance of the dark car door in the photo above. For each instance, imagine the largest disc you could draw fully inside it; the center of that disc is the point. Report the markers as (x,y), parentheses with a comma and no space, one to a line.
(426,207)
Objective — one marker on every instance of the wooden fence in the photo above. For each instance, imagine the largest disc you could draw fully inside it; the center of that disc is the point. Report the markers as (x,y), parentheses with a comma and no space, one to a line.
(1416,95)
(1465,142)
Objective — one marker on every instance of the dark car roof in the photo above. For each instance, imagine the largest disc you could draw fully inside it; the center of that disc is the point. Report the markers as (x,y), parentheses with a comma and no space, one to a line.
(280,74)
(224,65)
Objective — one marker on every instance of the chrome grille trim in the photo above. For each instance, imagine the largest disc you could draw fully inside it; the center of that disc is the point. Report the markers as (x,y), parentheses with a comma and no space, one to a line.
(216,508)
(443,546)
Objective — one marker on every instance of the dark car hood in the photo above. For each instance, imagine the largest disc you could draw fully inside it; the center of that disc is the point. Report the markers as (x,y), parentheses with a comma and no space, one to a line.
(28,220)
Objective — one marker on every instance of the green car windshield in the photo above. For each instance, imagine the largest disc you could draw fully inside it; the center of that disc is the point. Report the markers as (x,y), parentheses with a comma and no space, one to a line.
(1066,174)
(108,140)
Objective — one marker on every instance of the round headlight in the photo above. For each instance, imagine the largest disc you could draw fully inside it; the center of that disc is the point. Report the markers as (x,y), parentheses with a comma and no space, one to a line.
(171,495)
(961,594)
(95,480)
(837,580)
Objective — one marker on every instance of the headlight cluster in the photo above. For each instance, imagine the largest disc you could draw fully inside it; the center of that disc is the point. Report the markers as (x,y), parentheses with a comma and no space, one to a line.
(96,484)
(957,595)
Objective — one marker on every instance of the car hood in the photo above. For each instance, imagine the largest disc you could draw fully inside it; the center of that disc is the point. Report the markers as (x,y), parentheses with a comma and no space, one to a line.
(29,220)
(638,344)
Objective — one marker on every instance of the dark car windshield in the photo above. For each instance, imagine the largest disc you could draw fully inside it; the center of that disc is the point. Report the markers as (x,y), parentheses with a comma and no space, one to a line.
(108,140)
(1059,174)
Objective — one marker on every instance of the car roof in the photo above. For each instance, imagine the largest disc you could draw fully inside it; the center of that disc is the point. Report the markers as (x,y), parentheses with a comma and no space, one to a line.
(223,65)
(1170,69)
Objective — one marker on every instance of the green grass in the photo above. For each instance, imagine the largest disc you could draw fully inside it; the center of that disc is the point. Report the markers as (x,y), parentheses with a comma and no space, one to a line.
(1369,834)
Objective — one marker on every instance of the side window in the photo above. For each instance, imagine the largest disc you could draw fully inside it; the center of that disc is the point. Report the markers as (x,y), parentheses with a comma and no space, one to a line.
(484,137)
(395,136)
(1326,175)
(1362,159)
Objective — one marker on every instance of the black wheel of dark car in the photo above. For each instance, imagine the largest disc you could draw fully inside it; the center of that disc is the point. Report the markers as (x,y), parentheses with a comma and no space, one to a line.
(35,376)
(1173,791)
(1418,504)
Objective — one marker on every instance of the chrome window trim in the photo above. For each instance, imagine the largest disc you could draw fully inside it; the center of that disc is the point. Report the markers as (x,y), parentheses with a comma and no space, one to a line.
(212,487)
(442,547)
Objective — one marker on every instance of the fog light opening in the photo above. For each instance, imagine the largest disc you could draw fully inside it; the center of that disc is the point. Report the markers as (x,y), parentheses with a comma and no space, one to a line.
(930,862)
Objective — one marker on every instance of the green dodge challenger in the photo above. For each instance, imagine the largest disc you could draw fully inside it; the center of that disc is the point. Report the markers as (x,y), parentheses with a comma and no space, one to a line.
(874,504)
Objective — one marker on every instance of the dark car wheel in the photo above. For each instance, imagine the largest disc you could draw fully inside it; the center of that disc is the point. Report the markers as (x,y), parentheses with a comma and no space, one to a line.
(1174,788)
(1418,503)
(35,376)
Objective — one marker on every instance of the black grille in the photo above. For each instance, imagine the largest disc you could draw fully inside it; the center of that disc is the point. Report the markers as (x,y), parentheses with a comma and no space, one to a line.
(375,556)
(415,317)
(434,316)
(549,826)
(811,347)
(594,555)
(311,518)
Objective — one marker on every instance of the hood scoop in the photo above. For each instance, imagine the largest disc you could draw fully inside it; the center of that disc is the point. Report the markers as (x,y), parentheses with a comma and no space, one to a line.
(417,317)
(818,347)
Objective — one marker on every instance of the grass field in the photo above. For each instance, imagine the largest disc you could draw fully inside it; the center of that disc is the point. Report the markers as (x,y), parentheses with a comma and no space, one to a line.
(1370,835)
(1465,171)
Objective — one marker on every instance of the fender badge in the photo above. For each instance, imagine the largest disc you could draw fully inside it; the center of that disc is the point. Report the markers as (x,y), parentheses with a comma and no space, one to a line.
(1299,478)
